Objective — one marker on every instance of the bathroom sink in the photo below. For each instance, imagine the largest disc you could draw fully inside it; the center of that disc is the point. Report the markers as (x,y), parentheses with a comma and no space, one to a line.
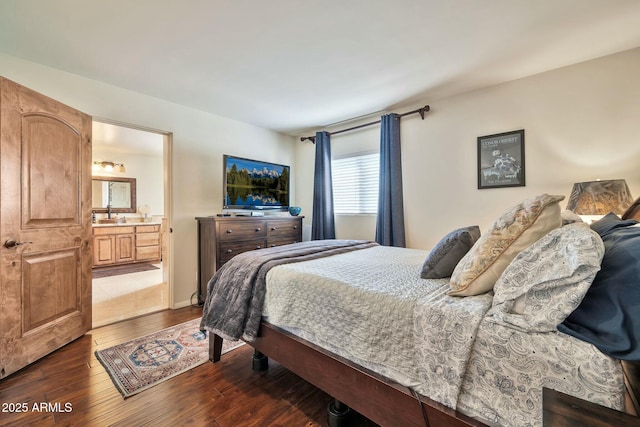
(108,221)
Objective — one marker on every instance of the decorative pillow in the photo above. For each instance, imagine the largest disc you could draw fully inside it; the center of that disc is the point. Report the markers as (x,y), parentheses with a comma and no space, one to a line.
(514,231)
(608,317)
(444,257)
(569,217)
(549,279)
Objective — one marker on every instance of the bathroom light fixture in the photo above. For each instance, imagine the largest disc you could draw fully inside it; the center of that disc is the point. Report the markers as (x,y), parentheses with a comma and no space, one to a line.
(108,166)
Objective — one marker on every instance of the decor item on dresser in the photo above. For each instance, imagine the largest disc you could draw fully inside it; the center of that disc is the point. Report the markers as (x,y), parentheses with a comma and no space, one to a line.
(469,361)
(295,210)
(597,198)
(222,238)
(501,160)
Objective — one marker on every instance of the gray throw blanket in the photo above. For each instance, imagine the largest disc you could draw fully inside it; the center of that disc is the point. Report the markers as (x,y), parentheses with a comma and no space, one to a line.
(235,294)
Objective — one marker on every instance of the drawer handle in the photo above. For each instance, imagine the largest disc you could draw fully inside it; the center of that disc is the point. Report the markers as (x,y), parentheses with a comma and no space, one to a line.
(229,251)
(229,231)
(258,247)
(258,229)
(295,227)
(273,245)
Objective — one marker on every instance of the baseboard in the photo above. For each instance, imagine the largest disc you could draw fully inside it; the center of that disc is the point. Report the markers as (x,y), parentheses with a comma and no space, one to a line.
(181,304)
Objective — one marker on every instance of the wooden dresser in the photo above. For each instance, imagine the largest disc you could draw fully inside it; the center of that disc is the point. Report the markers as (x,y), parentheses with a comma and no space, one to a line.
(222,238)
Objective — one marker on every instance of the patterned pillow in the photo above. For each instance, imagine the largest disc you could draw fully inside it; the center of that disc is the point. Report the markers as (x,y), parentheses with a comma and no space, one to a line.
(444,257)
(548,280)
(514,231)
(568,217)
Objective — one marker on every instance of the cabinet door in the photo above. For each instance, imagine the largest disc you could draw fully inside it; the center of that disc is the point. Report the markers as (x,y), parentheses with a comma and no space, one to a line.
(104,250)
(125,246)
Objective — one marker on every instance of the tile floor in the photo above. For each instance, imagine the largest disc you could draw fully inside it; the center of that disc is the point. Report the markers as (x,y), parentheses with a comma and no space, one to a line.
(121,297)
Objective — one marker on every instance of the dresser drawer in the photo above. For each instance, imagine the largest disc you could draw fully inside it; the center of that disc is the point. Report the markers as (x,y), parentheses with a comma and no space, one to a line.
(147,228)
(237,230)
(228,250)
(148,239)
(272,243)
(280,229)
(101,231)
(145,253)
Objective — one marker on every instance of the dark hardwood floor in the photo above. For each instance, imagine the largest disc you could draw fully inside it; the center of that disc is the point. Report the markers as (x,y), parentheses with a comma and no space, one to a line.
(225,394)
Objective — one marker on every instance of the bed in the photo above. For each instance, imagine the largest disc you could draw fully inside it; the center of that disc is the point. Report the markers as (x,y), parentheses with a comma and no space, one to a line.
(411,337)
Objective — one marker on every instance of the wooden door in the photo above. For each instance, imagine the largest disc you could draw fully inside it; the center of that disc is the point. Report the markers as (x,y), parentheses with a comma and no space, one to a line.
(45,231)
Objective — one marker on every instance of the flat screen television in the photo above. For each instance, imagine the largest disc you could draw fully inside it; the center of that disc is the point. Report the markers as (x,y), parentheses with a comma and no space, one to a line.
(254,184)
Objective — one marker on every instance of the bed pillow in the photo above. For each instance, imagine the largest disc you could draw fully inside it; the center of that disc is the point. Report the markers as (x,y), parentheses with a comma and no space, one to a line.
(608,316)
(444,257)
(569,217)
(549,279)
(515,230)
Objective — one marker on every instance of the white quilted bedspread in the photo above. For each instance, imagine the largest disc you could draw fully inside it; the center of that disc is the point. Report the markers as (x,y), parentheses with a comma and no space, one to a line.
(386,319)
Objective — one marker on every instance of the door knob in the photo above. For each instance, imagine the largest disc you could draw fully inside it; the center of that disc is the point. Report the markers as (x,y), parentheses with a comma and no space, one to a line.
(10,243)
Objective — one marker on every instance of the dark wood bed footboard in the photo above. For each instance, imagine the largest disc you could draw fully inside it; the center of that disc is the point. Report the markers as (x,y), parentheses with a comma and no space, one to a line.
(385,403)
(632,382)
(370,394)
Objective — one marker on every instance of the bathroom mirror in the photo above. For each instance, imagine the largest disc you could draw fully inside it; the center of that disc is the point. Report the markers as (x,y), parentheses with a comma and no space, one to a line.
(119,193)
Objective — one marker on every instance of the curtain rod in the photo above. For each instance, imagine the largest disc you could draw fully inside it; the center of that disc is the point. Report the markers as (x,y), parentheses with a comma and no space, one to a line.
(420,111)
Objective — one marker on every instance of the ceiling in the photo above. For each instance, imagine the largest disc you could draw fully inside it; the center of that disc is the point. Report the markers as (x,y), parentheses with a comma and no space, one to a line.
(297,65)
(110,138)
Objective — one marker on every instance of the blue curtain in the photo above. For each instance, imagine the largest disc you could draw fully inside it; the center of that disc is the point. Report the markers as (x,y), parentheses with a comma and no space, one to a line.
(390,220)
(323,223)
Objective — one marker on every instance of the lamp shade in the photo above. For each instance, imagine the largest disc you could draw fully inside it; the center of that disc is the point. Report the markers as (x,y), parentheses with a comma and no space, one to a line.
(600,197)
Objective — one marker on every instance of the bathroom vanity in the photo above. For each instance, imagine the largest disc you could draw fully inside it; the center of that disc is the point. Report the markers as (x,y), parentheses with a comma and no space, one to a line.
(124,243)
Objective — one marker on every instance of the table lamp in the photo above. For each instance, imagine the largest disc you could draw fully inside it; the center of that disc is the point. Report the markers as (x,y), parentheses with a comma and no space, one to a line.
(594,199)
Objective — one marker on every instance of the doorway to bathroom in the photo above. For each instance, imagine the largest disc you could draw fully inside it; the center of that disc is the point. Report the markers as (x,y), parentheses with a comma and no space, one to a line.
(131,221)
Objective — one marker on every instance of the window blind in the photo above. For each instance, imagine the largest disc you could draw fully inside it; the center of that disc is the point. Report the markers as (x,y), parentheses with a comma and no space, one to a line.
(355,184)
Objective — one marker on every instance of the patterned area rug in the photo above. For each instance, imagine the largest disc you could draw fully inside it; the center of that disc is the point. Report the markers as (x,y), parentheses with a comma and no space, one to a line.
(139,364)
(117,270)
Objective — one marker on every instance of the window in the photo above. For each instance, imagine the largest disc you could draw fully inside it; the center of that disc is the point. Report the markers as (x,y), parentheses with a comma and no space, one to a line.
(355,184)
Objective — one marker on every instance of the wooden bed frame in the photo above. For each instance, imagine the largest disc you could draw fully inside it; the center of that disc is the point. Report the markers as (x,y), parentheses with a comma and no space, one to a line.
(370,394)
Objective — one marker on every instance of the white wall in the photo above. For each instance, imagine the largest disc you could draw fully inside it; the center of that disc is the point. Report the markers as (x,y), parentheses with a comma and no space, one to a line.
(580,124)
(148,170)
(199,141)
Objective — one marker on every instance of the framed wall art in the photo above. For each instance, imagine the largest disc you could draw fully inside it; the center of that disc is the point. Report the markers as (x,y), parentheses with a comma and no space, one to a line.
(501,160)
